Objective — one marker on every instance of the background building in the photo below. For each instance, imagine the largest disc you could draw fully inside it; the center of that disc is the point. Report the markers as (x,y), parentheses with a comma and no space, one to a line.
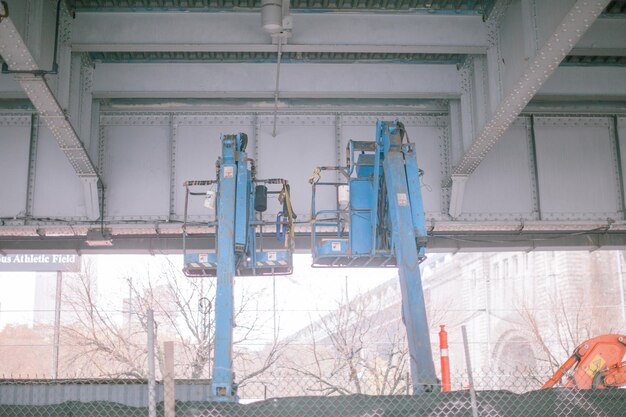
(524,312)
(73,284)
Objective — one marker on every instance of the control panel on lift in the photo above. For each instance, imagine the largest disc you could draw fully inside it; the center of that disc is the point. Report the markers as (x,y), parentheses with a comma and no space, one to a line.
(356,231)
(248,223)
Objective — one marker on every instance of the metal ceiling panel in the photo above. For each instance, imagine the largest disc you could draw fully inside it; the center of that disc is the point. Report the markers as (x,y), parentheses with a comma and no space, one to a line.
(58,190)
(195,80)
(14,167)
(615,7)
(512,47)
(197,148)
(53,115)
(546,60)
(136,167)
(287,57)
(603,37)
(320,37)
(301,144)
(619,124)
(594,61)
(429,134)
(577,168)
(594,83)
(502,187)
(17,55)
(242,32)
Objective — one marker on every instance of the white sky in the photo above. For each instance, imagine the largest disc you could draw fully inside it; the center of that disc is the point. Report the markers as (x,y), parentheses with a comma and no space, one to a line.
(17,294)
(300,298)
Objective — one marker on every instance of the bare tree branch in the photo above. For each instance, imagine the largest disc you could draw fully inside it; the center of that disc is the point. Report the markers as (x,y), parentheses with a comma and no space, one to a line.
(106,345)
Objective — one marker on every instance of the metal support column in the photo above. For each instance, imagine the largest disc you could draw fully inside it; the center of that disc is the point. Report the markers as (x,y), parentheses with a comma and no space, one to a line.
(57,326)
(32,164)
(618,165)
(535,173)
(151,366)
(620,280)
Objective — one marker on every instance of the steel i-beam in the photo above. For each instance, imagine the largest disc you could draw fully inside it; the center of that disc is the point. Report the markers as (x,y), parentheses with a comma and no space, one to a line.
(580,17)
(19,59)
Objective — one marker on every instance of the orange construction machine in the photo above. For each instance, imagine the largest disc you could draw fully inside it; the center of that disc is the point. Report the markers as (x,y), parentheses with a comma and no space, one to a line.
(599,363)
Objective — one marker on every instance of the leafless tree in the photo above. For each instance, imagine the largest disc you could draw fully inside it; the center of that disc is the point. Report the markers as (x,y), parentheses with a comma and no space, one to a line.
(94,342)
(104,345)
(351,350)
(560,326)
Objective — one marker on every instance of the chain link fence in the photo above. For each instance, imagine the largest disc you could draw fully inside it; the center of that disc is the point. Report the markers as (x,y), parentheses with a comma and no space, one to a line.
(498,394)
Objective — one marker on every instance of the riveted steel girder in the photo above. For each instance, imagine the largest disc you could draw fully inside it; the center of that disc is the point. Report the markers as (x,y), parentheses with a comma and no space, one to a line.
(19,59)
(51,113)
(438,241)
(258,81)
(575,23)
(313,33)
(432,6)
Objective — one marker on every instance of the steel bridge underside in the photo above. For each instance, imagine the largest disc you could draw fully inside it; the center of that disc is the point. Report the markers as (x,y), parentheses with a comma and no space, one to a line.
(519,127)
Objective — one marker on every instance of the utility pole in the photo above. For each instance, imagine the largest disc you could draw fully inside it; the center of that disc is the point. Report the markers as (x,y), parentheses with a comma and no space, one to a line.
(57,326)
(620,279)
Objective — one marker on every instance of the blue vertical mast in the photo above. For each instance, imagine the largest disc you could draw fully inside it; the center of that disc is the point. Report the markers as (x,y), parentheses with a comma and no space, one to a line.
(231,218)
(408,231)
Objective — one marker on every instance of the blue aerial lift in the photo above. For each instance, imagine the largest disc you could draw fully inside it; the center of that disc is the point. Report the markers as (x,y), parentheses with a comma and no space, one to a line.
(240,199)
(378,221)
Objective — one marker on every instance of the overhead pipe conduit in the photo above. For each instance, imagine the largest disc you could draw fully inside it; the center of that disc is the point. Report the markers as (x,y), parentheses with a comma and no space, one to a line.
(277,22)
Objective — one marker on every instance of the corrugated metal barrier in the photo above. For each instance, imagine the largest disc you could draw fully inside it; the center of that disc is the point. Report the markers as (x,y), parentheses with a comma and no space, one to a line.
(126,398)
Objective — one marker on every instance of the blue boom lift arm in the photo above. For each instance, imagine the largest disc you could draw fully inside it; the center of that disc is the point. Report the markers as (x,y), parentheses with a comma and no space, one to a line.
(240,196)
(379,221)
